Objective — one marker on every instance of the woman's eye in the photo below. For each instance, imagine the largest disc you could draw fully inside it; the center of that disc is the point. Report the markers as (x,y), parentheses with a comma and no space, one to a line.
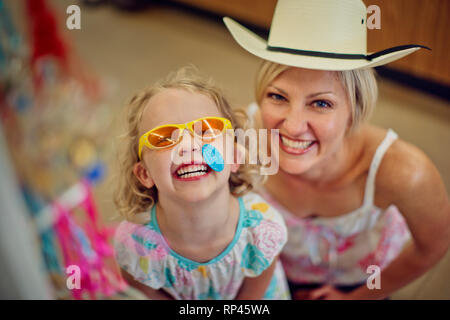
(321,104)
(276,96)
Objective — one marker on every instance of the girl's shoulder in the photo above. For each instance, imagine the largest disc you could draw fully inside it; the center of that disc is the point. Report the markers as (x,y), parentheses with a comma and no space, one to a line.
(263,223)
(139,239)
(141,251)
(256,206)
(142,224)
(263,236)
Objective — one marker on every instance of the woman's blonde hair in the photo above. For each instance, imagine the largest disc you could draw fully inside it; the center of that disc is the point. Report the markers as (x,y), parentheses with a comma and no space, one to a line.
(131,197)
(360,86)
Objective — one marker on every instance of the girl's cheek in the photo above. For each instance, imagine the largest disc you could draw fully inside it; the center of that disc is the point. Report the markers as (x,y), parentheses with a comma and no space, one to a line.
(162,160)
(227,148)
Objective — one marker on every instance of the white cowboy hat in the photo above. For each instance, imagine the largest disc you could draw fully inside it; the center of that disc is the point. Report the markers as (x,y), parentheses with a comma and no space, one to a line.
(317,34)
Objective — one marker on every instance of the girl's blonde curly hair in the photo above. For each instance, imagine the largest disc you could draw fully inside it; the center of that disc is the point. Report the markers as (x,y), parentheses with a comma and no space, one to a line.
(130,196)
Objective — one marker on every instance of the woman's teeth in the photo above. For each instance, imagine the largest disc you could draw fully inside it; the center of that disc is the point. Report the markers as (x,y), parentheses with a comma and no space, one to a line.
(192,171)
(296,144)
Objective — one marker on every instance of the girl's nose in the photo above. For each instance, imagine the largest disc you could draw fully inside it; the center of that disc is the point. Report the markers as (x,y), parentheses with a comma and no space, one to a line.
(188,143)
(296,121)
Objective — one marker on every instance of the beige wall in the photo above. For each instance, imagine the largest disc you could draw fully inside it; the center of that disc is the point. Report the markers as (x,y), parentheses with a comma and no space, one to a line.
(402,22)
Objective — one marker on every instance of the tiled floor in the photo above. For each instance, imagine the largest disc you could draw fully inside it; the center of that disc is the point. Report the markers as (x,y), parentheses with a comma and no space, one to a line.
(135,49)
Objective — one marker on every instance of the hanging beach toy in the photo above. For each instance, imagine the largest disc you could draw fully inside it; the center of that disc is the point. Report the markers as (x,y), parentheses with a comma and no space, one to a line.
(213,157)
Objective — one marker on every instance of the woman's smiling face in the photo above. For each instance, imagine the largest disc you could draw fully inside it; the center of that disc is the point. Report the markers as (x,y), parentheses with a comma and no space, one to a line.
(312,112)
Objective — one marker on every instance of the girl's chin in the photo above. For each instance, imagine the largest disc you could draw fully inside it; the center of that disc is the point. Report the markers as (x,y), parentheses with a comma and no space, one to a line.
(193,197)
(191,194)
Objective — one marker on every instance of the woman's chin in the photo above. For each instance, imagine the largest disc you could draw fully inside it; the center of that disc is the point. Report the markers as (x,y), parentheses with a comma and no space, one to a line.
(294,167)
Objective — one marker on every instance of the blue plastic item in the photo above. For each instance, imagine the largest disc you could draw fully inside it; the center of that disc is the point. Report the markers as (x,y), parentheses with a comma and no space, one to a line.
(213,157)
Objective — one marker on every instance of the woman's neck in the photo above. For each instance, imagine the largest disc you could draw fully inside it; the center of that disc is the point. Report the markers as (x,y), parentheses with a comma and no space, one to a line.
(198,222)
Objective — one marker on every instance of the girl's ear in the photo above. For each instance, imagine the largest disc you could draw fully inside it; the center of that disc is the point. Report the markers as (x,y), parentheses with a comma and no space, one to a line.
(239,157)
(143,175)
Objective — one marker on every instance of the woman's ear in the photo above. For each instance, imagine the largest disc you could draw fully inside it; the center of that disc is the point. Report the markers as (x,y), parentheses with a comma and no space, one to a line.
(143,175)
(349,124)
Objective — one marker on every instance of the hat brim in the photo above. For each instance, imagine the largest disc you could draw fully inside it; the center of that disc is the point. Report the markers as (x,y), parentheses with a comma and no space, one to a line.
(258,46)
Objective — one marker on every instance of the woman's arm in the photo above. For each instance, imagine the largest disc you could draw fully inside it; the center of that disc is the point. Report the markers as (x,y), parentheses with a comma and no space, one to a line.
(149,292)
(408,179)
(255,288)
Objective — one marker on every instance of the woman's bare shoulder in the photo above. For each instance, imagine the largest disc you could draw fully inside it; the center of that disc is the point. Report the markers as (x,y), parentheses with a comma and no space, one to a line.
(406,171)
(401,156)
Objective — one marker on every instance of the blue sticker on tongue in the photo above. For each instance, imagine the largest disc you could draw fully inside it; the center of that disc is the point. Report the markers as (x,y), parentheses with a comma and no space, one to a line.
(213,157)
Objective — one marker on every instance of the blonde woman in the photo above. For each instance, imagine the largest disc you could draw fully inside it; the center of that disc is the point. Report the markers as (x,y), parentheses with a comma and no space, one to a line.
(355,197)
(193,230)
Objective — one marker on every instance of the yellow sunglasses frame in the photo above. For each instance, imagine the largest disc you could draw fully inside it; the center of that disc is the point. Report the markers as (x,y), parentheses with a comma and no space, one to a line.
(143,140)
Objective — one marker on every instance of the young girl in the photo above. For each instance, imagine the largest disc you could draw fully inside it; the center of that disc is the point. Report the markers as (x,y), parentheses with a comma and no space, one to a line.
(204,236)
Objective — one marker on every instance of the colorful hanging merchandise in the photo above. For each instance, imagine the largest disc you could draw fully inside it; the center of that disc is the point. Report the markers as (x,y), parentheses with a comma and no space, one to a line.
(46,41)
(57,119)
(87,249)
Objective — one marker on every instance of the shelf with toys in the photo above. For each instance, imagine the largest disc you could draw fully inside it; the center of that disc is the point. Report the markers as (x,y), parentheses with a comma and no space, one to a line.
(54,119)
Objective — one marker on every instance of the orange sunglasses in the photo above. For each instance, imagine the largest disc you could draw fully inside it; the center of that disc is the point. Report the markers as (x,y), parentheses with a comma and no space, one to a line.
(168,135)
